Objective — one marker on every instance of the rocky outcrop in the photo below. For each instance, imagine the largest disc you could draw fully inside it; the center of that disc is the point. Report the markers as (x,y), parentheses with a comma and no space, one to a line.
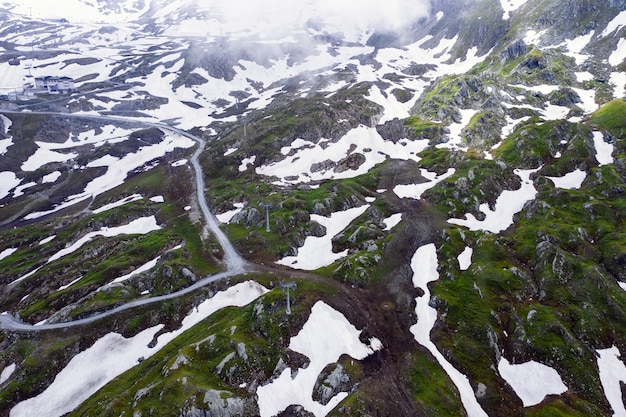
(331,381)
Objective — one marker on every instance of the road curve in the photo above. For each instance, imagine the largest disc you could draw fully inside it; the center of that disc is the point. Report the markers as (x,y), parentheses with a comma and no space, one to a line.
(235,264)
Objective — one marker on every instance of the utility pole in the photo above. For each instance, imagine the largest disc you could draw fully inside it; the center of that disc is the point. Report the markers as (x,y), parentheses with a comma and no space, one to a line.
(287,286)
(267,207)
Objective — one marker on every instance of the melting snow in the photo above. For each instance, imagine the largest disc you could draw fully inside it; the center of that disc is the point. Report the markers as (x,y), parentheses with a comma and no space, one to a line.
(424,264)
(20,189)
(180,163)
(612,373)
(507,205)
(583,76)
(245,162)
(456,139)
(8,181)
(465,258)
(617,23)
(325,336)
(588,100)
(118,203)
(114,354)
(619,54)
(143,268)
(6,122)
(117,169)
(604,150)
(51,177)
(576,45)
(318,251)
(532,381)
(6,373)
(392,221)
(141,225)
(416,190)
(571,180)
(63,287)
(510,6)
(393,109)
(618,79)
(7,252)
(46,240)
(364,140)
(4,145)
(227,216)
(43,156)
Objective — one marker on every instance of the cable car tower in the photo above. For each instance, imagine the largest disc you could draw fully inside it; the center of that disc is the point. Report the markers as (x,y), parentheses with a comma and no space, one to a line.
(286,286)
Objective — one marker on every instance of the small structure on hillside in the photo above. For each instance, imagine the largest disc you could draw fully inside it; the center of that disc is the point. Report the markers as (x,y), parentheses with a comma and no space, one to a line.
(267,207)
(288,286)
(54,84)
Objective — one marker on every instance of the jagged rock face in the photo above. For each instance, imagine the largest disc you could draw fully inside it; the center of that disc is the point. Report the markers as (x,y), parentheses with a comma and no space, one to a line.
(330,382)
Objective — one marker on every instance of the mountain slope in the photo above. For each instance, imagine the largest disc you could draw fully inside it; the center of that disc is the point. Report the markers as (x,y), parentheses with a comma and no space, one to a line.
(444,185)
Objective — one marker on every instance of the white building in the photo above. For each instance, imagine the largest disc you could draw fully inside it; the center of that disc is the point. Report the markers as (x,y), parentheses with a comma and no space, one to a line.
(54,84)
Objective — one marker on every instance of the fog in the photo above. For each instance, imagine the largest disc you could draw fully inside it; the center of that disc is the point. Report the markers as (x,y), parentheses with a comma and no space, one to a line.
(348,16)
(265,18)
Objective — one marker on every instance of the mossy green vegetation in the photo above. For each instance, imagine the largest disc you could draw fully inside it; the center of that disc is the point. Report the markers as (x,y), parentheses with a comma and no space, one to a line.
(432,388)
(546,289)
(233,349)
(611,117)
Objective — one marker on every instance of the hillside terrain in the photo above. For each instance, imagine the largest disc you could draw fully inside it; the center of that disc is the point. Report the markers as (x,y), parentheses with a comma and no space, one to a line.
(253,209)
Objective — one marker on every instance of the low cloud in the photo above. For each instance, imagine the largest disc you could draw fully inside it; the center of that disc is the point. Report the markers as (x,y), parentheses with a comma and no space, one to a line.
(268,16)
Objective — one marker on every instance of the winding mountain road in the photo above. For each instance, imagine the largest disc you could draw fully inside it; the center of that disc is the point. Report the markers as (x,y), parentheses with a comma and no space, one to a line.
(235,264)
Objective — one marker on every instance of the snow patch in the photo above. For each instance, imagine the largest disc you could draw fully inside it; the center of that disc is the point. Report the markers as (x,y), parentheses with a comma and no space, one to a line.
(465,258)
(612,373)
(227,216)
(106,207)
(43,156)
(510,6)
(508,204)
(46,240)
(245,162)
(6,373)
(8,181)
(180,163)
(619,54)
(318,251)
(7,252)
(114,354)
(392,221)
(51,177)
(617,23)
(325,336)
(141,225)
(307,163)
(424,265)
(4,145)
(570,181)
(416,190)
(532,381)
